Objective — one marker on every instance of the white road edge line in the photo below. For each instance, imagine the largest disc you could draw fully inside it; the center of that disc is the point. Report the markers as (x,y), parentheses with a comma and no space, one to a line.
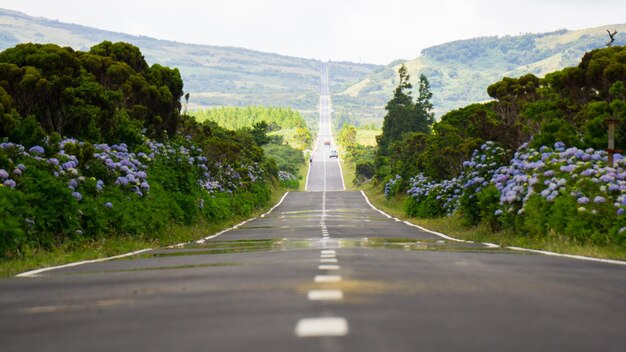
(34,273)
(491,245)
(571,256)
(276,206)
(306,185)
(373,207)
(343,185)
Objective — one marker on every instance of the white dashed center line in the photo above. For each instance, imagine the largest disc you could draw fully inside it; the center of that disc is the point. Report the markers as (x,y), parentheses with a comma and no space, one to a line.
(328,267)
(328,260)
(331,326)
(325,295)
(326,278)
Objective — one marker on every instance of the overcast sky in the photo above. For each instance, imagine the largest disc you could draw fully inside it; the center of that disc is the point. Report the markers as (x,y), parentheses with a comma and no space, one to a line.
(374,31)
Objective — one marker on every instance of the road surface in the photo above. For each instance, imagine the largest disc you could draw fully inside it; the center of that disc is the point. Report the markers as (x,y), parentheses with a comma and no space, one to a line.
(323,271)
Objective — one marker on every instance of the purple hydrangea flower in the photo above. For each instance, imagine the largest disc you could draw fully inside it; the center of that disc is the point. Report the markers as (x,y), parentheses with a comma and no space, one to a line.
(4,174)
(77,195)
(599,199)
(37,150)
(9,183)
(123,181)
(583,200)
(108,205)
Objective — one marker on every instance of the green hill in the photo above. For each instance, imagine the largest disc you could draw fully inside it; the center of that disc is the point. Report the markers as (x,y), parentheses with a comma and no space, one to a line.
(214,75)
(460,72)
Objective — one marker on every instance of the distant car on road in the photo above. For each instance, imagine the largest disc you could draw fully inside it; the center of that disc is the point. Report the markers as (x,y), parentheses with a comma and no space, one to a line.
(327,143)
(334,154)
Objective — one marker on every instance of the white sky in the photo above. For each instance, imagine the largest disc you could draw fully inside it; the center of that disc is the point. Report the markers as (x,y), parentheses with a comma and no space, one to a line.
(373,31)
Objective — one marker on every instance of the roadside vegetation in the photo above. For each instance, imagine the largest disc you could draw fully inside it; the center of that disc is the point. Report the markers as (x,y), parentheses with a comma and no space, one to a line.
(96,158)
(527,168)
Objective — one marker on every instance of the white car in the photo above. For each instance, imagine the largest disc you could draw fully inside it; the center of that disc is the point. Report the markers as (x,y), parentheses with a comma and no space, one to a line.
(334,154)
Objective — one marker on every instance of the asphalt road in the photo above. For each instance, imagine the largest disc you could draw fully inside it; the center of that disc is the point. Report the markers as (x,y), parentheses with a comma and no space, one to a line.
(325,172)
(322,272)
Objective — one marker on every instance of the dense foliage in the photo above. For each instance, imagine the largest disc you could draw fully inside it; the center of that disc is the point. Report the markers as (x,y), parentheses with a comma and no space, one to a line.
(108,94)
(494,162)
(93,146)
(557,191)
(72,190)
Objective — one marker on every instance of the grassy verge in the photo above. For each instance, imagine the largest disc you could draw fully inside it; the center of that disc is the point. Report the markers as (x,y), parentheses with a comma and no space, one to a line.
(347,170)
(303,172)
(173,234)
(452,226)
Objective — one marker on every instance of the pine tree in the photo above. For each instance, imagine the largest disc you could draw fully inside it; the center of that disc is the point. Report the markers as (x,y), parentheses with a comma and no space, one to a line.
(404,116)
(399,111)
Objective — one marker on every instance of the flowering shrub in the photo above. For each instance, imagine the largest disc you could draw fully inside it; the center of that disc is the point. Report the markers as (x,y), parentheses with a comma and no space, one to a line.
(69,189)
(433,199)
(476,176)
(565,191)
(391,187)
(569,191)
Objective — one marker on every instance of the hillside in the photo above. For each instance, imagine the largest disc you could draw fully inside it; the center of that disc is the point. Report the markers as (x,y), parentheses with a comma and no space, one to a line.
(214,75)
(460,72)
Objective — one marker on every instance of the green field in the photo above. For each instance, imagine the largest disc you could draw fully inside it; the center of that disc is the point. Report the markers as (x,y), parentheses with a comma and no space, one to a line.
(367,137)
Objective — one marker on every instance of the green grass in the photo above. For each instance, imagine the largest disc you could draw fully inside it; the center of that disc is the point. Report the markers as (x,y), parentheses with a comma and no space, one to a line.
(348,171)
(304,170)
(173,234)
(453,227)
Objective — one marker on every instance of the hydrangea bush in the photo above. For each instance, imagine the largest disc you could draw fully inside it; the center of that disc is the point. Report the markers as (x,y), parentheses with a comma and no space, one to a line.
(555,190)
(74,190)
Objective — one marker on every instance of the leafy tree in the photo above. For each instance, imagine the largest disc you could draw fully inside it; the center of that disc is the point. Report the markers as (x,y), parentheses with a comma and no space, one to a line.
(78,94)
(347,136)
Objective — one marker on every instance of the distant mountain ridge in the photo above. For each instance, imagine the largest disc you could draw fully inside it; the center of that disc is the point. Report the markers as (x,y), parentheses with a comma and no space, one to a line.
(460,71)
(214,75)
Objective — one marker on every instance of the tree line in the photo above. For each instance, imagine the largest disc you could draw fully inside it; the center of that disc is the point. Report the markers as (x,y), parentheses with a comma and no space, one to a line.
(570,106)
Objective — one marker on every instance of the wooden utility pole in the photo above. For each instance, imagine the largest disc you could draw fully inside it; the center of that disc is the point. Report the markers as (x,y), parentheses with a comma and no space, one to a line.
(611,140)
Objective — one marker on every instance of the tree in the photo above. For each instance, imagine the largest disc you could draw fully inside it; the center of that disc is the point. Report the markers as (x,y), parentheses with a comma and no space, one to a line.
(399,113)
(403,117)
(347,136)
(424,118)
